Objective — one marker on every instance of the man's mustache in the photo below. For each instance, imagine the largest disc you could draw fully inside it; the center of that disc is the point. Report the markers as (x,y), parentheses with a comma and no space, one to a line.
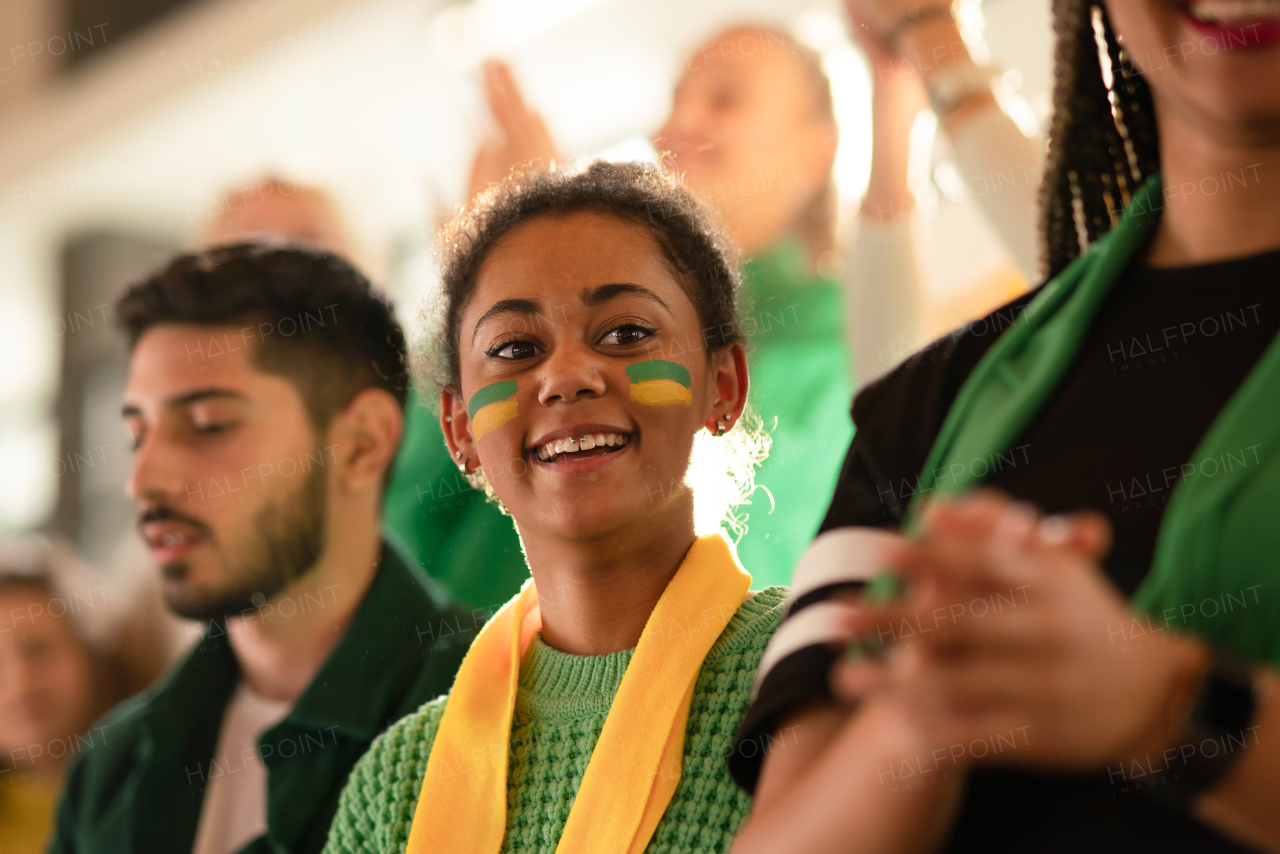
(163,513)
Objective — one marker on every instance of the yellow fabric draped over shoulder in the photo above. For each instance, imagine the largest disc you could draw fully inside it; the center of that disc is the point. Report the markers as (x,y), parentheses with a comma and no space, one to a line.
(636,764)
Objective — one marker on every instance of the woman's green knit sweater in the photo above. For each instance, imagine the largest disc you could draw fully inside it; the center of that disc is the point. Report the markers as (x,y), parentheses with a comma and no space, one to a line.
(560,709)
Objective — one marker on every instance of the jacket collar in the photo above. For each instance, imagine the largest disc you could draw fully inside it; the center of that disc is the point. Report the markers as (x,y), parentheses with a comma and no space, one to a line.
(368,672)
(361,686)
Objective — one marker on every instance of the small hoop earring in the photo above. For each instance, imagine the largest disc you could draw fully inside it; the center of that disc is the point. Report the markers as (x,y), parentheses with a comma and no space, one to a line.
(457,455)
(720,428)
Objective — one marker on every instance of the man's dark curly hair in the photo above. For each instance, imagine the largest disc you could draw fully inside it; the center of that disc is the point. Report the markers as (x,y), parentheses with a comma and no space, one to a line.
(303,314)
(695,246)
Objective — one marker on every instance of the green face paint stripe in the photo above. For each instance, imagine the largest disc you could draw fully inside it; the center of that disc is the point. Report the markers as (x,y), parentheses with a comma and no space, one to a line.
(490,394)
(657,369)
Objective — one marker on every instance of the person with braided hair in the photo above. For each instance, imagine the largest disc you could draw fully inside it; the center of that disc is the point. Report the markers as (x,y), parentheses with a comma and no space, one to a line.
(1041,614)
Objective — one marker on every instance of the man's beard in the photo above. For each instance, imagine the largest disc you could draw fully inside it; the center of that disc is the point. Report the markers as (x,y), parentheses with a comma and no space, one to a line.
(289,535)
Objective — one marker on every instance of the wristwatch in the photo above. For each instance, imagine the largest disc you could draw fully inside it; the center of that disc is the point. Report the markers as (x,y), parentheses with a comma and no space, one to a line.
(1221,727)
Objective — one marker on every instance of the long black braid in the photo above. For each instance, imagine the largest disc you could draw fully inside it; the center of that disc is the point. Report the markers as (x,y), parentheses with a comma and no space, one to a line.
(1102,142)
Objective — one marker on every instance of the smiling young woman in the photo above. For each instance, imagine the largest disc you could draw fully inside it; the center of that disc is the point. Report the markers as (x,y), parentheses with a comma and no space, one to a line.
(587,335)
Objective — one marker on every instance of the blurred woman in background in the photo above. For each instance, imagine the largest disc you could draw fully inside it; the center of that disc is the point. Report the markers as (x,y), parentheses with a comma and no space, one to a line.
(752,131)
(56,678)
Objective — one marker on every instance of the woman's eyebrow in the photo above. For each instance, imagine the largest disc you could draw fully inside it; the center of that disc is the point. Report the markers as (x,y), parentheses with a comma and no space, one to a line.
(592,297)
(523,307)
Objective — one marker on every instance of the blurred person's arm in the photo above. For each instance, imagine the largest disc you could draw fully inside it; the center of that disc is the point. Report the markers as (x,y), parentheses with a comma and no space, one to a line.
(824,789)
(525,142)
(885,295)
(884,299)
(999,164)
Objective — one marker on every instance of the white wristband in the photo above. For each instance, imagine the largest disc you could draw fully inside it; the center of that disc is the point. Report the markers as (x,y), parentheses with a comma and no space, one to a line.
(951,86)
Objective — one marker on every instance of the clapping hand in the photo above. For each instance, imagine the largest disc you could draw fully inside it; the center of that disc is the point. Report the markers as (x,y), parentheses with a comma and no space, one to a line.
(1008,624)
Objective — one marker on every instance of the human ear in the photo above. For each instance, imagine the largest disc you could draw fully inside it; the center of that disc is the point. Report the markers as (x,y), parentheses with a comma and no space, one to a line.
(455,423)
(729,381)
(366,435)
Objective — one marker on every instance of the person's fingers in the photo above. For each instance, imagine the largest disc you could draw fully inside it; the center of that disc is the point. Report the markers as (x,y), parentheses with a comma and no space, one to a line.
(1086,532)
(911,618)
(1000,559)
(853,679)
(944,621)
(982,623)
(970,683)
(1092,533)
(975,511)
(505,100)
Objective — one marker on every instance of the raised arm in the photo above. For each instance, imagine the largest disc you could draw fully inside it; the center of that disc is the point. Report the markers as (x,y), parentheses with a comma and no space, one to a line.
(523,142)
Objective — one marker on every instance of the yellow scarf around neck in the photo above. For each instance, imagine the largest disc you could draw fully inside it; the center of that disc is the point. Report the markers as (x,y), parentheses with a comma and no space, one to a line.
(636,763)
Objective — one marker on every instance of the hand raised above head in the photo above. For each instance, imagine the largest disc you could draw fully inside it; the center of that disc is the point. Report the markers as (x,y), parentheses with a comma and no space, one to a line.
(876,23)
(525,141)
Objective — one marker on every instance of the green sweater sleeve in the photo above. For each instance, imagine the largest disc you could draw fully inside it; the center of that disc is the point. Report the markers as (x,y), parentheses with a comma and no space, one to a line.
(377,804)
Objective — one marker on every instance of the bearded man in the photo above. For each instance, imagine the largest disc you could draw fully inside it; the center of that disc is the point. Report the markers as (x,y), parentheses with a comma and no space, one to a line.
(265,399)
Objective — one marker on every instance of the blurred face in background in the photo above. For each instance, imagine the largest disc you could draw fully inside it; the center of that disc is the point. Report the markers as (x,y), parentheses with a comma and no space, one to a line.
(748,132)
(47,684)
(229,474)
(276,208)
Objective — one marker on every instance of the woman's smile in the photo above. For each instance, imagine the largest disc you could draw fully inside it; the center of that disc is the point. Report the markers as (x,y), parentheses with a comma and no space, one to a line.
(1237,24)
(581,448)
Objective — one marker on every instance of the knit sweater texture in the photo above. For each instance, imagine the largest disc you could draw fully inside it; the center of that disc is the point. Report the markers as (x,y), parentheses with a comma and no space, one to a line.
(560,710)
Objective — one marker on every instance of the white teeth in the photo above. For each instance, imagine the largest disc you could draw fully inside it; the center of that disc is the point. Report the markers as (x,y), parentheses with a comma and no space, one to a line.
(588,442)
(1221,11)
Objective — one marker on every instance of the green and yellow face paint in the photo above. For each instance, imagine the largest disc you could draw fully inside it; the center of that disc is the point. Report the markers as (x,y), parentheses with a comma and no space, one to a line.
(660,383)
(491,407)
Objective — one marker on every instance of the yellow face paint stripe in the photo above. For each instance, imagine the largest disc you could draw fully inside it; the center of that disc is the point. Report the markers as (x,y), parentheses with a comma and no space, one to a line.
(661,393)
(657,382)
(491,407)
(492,417)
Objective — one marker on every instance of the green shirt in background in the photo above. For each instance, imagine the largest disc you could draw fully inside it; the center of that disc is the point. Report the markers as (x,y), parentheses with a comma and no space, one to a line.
(460,539)
(139,783)
(799,362)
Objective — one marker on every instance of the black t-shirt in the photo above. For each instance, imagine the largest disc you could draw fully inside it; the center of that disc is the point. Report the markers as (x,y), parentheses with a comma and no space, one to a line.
(1164,356)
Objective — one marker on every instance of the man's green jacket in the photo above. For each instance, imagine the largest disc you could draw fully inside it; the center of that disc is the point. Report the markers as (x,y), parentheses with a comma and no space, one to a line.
(140,787)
